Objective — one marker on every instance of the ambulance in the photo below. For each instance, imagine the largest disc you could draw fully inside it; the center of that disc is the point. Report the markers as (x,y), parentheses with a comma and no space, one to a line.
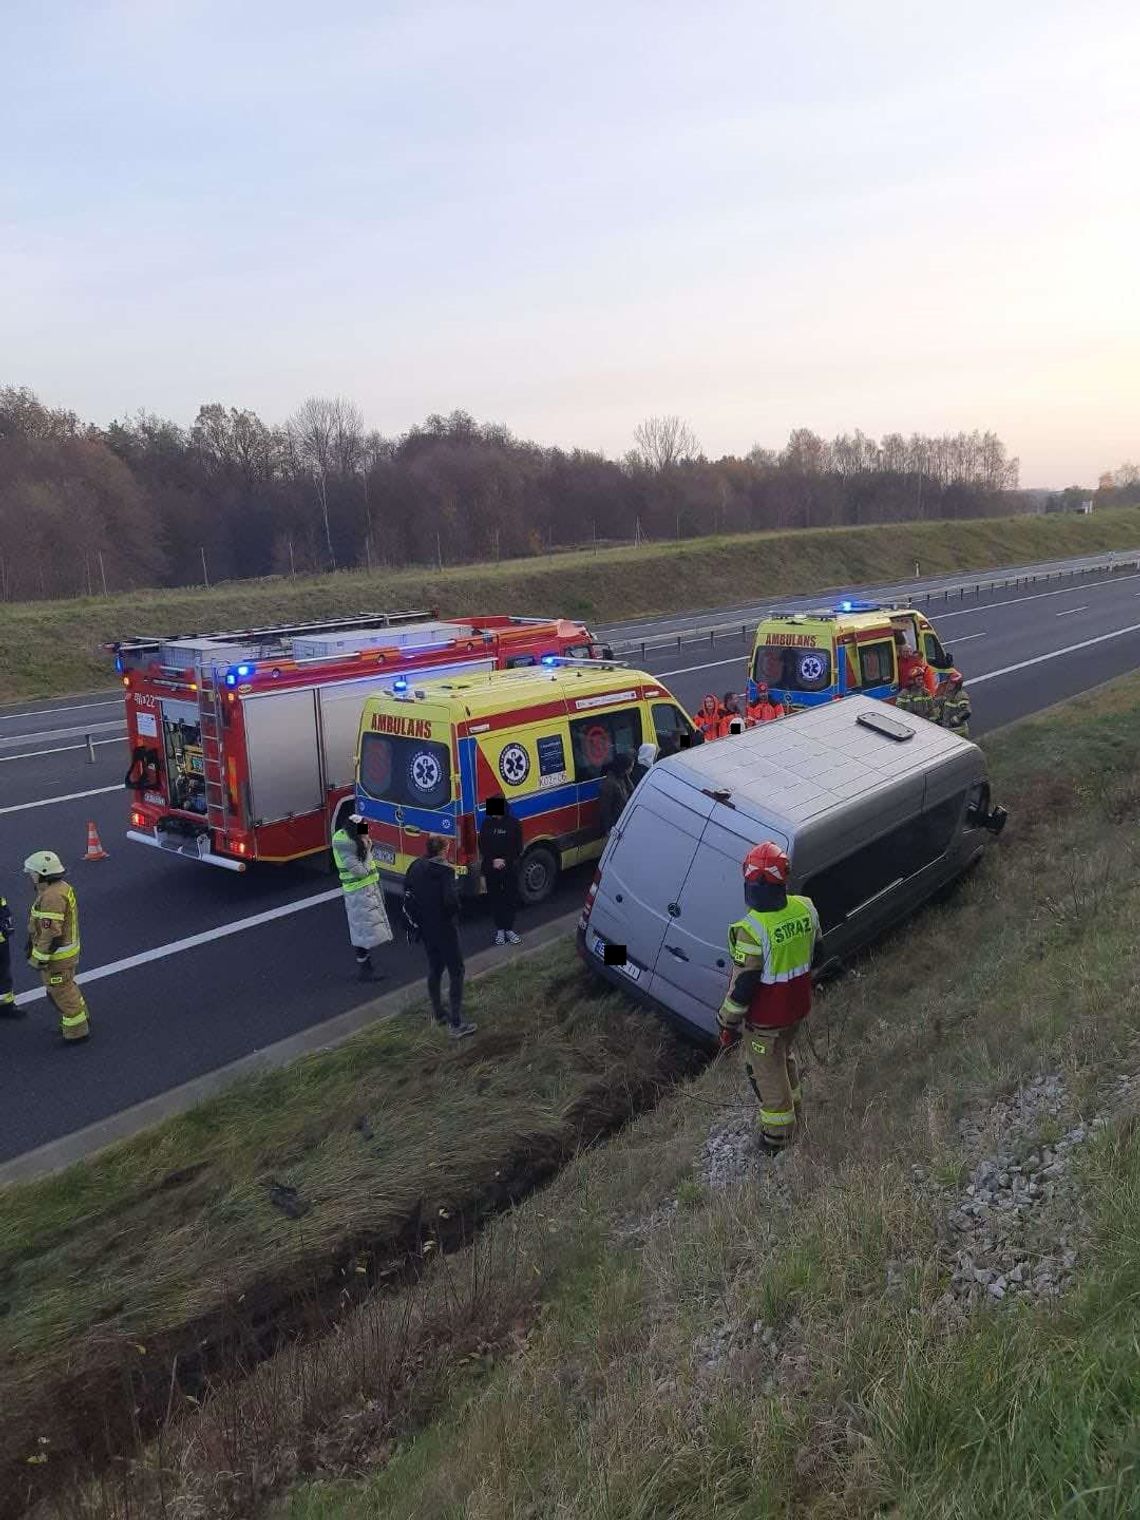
(430,756)
(805,658)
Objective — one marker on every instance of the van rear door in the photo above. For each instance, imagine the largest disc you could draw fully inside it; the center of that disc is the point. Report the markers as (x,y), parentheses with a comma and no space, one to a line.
(407,779)
(693,965)
(647,859)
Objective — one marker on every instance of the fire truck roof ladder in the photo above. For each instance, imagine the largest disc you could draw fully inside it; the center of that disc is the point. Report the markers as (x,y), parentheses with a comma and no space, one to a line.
(278,632)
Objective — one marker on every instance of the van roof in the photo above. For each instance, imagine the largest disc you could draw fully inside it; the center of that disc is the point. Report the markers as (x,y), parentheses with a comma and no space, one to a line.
(852,615)
(798,769)
(491,691)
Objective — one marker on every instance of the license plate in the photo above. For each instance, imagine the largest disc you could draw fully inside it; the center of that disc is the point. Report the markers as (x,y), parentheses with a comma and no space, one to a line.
(629,969)
(384,855)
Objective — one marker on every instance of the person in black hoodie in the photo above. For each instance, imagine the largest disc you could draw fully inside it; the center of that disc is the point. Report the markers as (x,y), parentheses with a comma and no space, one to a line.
(500,849)
(433,905)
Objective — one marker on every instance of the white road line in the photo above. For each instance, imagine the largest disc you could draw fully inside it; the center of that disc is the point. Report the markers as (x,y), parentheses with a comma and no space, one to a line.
(96,791)
(1016,601)
(712,665)
(966,637)
(191,942)
(50,712)
(35,754)
(1007,670)
(1068,612)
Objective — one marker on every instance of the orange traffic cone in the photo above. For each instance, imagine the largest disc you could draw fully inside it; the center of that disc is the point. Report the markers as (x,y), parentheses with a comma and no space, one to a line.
(95,850)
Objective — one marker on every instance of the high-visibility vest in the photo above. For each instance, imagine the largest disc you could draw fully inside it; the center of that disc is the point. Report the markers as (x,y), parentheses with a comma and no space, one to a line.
(783,941)
(352,878)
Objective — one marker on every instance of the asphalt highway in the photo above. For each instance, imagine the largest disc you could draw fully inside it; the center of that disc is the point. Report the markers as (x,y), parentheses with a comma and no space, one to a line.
(268,954)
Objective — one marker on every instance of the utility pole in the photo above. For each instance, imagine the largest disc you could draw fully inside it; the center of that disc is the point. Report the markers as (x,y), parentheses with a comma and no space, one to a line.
(292,566)
(438,551)
(594,534)
(205,572)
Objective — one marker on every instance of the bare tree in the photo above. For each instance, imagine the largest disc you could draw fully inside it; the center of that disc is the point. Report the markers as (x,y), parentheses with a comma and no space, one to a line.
(325,435)
(662,442)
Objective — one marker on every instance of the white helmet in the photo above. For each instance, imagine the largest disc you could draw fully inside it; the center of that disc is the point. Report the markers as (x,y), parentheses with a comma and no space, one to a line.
(44,863)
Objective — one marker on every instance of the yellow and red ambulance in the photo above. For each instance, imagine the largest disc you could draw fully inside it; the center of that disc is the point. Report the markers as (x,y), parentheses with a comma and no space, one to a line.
(805,658)
(430,755)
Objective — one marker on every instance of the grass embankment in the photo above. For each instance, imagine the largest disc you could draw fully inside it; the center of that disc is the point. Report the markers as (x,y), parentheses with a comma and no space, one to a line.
(173,1257)
(630,1341)
(56,647)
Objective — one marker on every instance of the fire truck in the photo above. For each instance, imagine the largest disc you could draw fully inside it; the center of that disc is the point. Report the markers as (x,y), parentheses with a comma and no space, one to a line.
(243,745)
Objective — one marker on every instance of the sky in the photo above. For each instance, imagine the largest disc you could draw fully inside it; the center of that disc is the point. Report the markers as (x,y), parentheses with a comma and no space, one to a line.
(565,218)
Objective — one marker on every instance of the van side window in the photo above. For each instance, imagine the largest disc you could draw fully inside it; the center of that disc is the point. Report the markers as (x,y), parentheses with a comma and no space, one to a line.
(877,662)
(598,737)
(839,889)
(934,653)
(669,723)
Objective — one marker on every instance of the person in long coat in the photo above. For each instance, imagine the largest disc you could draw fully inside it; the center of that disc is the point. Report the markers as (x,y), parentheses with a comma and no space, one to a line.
(368,926)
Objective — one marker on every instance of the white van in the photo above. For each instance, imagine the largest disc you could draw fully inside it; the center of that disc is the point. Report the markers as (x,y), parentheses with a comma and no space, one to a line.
(875,809)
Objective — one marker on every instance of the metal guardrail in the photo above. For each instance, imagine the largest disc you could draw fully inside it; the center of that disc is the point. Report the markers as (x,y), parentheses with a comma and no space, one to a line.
(940,595)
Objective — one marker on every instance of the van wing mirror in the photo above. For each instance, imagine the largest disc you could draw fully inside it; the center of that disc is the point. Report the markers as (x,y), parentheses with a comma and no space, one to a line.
(995,820)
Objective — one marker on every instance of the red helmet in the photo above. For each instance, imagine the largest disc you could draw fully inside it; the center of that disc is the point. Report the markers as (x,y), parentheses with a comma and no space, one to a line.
(767,862)
(761,689)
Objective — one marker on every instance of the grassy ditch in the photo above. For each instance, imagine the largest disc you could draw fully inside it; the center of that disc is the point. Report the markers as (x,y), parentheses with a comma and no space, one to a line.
(170,1260)
(56,647)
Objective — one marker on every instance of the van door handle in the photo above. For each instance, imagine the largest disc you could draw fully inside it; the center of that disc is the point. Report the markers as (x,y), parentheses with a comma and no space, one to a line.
(677,951)
(410,828)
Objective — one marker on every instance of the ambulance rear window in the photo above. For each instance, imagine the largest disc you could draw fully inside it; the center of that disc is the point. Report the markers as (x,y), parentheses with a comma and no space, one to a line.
(792,669)
(409,772)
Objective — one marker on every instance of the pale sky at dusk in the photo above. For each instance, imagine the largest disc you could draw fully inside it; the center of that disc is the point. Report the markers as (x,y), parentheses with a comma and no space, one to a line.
(761,216)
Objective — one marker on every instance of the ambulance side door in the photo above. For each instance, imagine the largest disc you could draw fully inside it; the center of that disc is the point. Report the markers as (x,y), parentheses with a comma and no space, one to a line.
(595,739)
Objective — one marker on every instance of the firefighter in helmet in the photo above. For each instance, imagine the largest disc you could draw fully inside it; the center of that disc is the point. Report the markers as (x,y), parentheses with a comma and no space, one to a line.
(914,697)
(53,942)
(769,995)
(954,706)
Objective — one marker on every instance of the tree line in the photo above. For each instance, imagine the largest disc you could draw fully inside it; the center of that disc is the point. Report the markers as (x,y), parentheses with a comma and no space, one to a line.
(147,502)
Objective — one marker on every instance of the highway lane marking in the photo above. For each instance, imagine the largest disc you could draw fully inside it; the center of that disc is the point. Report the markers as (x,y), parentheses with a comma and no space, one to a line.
(191,942)
(1006,670)
(35,754)
(1038,596)
(50,712)
(97,791)
(1068,612)
(684,669)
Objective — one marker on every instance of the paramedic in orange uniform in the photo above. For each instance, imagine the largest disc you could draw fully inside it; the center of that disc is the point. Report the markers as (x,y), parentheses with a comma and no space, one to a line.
(764,710)
(708,718)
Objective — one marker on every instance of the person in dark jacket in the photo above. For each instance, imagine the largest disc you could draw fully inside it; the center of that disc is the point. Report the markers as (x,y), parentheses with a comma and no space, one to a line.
(500,849)
(615,791)
(7,995)
(434,904)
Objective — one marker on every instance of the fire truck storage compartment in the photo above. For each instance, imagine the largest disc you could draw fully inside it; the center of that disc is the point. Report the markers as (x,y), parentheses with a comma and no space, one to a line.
(182,742)
(326,646)
(342,703)
(284,758)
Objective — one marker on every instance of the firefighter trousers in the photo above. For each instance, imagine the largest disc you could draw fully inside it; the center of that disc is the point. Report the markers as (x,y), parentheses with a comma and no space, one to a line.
(60,985)
(770,1061)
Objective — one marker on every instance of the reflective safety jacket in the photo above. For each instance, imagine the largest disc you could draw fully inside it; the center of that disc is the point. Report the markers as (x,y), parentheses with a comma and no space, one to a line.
(53,925)
(355,874)
(771,954)
(915,701)
(708,718)
(765,712)
(956,714)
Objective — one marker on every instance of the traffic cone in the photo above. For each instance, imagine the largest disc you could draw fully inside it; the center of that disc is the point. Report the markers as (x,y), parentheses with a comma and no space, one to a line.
(95,850)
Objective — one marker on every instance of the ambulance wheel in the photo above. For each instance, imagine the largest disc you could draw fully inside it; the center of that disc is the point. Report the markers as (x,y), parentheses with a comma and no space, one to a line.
(538,873)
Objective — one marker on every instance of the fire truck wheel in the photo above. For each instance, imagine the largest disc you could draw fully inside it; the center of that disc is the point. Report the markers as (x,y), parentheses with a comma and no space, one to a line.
(538,872)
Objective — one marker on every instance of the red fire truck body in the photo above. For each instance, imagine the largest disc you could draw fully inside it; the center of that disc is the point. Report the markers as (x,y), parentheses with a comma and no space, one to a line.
(243,745)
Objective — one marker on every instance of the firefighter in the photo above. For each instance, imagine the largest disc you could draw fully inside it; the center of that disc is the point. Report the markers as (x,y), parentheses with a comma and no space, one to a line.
(53,942)
(915,698)
(954,708)
(764,710)
(770,990)
(708,718)
(368,926)
(8,1007)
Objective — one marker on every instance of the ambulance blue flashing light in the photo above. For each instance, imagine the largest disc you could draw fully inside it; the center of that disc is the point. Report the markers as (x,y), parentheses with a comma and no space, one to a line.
(550,659)
(401,685)
(852,604)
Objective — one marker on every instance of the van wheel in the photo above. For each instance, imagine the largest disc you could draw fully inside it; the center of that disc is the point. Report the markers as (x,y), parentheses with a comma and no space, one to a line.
(538,872)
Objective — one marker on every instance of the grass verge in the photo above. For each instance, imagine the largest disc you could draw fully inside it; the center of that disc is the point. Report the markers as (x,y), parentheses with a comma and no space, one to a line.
(48,648)
(212,1239)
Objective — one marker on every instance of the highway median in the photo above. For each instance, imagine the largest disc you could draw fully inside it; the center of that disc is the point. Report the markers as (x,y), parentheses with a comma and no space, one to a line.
(404,1278)
(51,648)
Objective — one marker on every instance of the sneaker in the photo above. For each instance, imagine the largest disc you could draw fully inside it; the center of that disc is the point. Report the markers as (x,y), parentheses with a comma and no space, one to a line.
(513,938)
(500,937)
(461,1031)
